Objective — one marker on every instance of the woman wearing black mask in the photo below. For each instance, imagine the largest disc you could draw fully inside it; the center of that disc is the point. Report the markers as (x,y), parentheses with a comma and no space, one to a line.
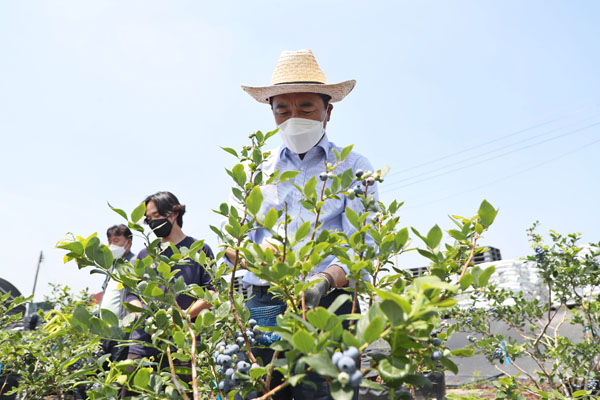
(164,215)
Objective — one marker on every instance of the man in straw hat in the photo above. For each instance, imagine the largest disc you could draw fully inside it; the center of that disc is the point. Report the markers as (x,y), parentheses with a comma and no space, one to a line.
(300,99)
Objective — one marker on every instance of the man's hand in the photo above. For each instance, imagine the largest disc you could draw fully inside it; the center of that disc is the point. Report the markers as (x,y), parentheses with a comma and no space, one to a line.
(313,295)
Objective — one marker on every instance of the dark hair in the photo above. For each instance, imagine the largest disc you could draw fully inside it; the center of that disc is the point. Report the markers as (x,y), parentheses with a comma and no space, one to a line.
(119,230)
(326,98)
(166,202)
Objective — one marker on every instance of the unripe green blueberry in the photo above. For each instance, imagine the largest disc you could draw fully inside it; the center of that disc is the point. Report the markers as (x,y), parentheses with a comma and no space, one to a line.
(343,378)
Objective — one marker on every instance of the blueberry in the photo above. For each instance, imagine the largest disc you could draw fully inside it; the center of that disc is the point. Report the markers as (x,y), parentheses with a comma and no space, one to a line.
(469,320)
(243,367)
(435,332)
(229,373)
(335,358)
(436,341)
(370,181)
(231,349)
(224,385)
(359,173)
(346,364)
(225,360)
(323,176)
(252,322)
(343,378)
(436,355)
(356,378)
(240,341)
(249,333)
(352,352)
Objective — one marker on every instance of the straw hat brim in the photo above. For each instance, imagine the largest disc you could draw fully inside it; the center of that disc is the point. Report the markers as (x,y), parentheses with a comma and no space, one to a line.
(337,91)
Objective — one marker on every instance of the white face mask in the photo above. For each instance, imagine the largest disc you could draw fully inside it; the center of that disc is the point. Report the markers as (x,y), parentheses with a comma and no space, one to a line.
(117,251)
(301,134)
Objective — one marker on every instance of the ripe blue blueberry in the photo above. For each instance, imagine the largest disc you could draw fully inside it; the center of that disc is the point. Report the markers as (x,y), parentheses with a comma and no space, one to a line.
(436,341)
(437,355)
(359,173)
(243,367)
(323,176)
(335,358)
(229,373)
(346,364)
(352,352)
(356,378)
(240,341)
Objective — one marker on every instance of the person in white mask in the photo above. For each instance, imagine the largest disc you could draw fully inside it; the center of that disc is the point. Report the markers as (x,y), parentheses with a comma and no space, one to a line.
(120,240)
(300,99)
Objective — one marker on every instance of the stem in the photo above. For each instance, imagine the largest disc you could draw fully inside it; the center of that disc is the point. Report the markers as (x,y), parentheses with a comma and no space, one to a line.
(471,254)
(270,373)
(549,320)
(180,389)
(355,298)
(234,306)
(272,392)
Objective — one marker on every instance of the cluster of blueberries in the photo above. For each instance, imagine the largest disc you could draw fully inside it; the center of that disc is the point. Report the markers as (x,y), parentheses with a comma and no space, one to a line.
(231,358)
(436,355)
(346,364)
(357,190)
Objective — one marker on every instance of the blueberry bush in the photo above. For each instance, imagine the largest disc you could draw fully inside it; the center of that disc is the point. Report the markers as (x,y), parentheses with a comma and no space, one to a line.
(209,357)
(566,366)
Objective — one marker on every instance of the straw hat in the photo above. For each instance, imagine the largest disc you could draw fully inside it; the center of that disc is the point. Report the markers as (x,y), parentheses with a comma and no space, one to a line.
(298,72)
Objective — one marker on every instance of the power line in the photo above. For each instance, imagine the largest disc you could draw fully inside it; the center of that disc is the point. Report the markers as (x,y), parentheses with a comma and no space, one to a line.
(522,171)
(394,181)
(462,151)
(491,158)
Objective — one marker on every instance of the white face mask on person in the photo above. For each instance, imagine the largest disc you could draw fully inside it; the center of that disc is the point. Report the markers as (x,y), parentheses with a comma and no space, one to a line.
(301,134)
(117,251)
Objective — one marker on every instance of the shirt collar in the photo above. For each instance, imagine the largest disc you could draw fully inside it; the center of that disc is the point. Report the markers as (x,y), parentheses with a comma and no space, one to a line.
(324,144)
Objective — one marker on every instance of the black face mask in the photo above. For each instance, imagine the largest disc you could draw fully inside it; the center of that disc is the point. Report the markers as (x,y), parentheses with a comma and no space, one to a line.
(161,227)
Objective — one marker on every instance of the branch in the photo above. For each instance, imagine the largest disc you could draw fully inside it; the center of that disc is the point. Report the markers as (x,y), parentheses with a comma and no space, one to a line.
(275,390)
(180,388)
(471,254)
(270,373)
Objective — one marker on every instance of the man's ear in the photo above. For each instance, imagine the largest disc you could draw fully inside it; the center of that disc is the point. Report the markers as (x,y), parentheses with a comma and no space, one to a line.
(175,215)
(329,108)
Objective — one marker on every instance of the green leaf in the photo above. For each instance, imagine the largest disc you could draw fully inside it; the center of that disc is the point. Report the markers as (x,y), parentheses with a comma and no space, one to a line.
(341,392)
(434,236)
(310,188)
(486,214)
(239,174)
(257,372)
(485,275)
(179,339)
(318,317)
(270,219)
(81,318)
(302,231)
(352,217)
(464,352)
(350,340)
(254,200)
(138,213)
(230,151)
(449,364)
(109,317)
(322,364)
(374,329)
(303,341)
(392,311)
(392,371)
(164,269)
(287,175)
(118,211)
(142,377)
(401,238)
(346,151)
(338,302)
(466,281)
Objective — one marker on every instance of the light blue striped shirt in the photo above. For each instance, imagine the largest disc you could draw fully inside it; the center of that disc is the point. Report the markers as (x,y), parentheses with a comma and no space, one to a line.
(332,213)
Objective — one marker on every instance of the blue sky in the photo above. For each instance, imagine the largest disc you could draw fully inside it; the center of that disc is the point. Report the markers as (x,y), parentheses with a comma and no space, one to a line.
(109,101)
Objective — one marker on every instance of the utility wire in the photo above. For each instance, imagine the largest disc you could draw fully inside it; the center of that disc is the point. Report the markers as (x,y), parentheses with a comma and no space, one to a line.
(491,158)
(548,122)
(487,153)
(522,171)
